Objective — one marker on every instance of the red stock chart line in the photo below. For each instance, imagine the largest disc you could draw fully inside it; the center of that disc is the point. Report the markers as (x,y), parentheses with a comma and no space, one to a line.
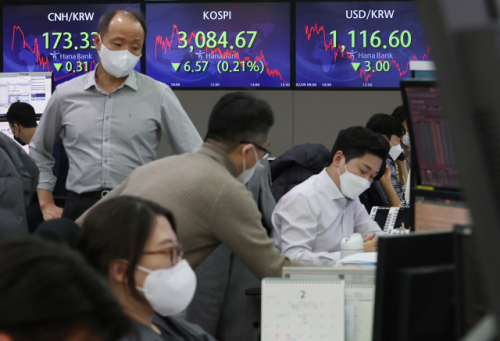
(165,44)
(343,54)
(43,62)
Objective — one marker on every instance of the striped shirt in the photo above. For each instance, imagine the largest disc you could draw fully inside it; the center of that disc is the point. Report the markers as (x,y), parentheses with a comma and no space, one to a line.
(107,136)
(398,186)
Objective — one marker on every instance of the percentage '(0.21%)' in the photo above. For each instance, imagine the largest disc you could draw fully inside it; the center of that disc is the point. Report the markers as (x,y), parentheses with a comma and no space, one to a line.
(237,66)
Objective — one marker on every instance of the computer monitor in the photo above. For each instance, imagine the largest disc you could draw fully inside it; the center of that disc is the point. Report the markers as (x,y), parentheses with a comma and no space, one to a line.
(414,287)
(471,295)
(34,88)
(432,148)
(219,45)
(55,37)
(438,210)
(357,44)
(5,129)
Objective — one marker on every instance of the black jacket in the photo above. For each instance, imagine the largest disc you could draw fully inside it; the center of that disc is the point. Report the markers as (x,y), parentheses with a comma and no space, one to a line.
(18,181)
(297,165)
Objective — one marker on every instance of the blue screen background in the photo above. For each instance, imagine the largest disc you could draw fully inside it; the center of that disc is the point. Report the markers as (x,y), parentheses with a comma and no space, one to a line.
(23,40)
(315,64)
(272,44)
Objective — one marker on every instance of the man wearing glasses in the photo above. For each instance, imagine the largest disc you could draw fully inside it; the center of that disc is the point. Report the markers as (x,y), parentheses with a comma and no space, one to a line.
(205,190)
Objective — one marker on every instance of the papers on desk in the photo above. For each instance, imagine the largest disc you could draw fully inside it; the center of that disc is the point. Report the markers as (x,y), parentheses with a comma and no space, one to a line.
(359,300)
(300,310)
(305,310)
(363,259)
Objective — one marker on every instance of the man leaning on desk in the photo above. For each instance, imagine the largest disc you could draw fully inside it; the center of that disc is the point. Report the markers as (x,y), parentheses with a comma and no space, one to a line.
(112,120)
(311,220)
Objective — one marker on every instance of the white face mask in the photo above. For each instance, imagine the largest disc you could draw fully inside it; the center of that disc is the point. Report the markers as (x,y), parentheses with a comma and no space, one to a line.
(117,63)
(169,291)
(247,174)
(395,151)
(352,185)
(406,139)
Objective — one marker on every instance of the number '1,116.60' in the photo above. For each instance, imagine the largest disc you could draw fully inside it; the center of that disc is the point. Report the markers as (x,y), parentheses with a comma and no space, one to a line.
(394,39)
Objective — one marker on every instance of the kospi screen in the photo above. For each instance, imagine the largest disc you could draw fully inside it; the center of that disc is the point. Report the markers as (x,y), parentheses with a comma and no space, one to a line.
(357,44)
(212,45)
(57,38)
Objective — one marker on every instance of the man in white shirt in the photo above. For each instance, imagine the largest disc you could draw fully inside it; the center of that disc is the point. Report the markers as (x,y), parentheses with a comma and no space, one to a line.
(311,220)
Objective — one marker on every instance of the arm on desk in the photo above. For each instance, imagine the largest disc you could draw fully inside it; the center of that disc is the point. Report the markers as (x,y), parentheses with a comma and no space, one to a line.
(235,220)
(295,221)
(368,228)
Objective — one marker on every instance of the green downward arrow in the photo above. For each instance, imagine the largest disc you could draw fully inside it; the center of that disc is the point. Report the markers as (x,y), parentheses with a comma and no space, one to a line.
(176,66)
(355,66)
(58,66)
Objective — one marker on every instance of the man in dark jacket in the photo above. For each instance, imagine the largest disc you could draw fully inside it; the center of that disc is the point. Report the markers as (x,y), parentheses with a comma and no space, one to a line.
(297,165)
(22,121)
(18,181)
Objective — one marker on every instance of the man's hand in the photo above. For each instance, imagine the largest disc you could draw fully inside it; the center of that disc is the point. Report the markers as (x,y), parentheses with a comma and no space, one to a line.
(386,178)
(370,244)
(51,211)
(370,237)
(47,205)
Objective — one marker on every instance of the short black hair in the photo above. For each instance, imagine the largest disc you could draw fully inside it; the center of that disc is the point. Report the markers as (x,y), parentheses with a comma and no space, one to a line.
(401,113)
(106,18)
(239,116)
(357,141)
(118,229)
(23,114)
(48,291)
(387,125)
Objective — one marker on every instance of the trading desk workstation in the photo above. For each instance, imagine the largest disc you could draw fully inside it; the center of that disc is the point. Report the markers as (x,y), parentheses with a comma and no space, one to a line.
(428,284)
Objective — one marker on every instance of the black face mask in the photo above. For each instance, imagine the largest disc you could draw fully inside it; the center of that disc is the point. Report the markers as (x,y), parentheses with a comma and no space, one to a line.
(18,140)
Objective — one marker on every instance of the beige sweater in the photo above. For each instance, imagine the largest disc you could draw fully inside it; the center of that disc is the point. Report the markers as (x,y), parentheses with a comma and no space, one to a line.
(210,207)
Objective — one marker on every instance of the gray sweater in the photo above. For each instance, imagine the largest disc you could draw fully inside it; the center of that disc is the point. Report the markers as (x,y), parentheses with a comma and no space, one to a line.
(210,207)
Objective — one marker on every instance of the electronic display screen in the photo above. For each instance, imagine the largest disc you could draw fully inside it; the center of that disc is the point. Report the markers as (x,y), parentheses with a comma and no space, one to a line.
(357,44)
(34,88)
(212,45)
(432,214)
(432,138)
(56,38)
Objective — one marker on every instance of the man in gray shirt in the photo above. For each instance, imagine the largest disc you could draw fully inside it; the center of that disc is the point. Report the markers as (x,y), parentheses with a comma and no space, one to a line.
(112,120)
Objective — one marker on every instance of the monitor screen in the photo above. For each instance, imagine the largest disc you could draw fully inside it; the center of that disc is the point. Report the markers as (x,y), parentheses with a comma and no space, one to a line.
(55,38)
(434,214)
(5,129)
(472,303)
(357,44)
(34,88)
(211,45)
(430,253)
(431,137)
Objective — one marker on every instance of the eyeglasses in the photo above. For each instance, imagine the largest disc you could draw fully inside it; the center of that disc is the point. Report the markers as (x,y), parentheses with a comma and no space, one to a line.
(267,153)
(175,252)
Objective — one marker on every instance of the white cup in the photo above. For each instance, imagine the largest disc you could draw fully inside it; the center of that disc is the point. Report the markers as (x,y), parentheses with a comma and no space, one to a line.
(353,244)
